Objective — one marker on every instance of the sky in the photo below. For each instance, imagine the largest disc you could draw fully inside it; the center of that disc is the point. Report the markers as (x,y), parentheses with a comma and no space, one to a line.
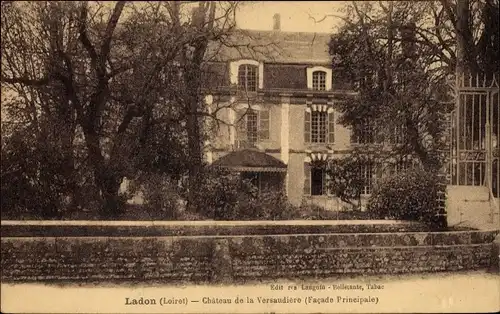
(295,15)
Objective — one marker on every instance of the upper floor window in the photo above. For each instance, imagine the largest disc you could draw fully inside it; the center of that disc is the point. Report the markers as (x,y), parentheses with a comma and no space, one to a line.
(364,133)
(319,127)
(247,74)
(252,127)
(319,80)
(248,77)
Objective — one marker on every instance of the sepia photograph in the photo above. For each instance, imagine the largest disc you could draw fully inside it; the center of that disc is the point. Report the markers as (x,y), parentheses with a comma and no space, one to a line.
(250,156)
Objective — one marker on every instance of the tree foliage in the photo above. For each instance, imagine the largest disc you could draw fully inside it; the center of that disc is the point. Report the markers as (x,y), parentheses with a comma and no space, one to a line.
(400,55)
(409,195)
(112,90)
(346,178)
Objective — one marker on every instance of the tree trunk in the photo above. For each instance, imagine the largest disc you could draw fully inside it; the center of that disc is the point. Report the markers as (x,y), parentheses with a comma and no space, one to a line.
(107,179)
(192,79)
(194,143)
(466,60)
(109,184)
(67,136)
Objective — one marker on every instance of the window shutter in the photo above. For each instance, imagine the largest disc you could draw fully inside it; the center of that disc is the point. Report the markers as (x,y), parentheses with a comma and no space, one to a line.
(241,127)
(326,181)
(307,178)
(264,124)
(307,127)
(331,127)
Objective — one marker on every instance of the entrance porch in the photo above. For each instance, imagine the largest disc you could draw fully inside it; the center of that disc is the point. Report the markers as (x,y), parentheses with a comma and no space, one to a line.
(266,172)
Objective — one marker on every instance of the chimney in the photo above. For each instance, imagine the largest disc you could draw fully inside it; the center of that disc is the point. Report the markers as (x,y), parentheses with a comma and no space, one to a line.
(277,22)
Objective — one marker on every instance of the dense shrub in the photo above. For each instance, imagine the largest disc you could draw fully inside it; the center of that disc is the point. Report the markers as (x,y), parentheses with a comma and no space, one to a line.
(218,193)
(346,179)
(409,195)
(33,181)
(266,205)
(161,196)
(224,195)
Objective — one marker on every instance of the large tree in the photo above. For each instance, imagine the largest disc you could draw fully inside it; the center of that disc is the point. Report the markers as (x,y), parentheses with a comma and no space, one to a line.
(400,54)
(116,84)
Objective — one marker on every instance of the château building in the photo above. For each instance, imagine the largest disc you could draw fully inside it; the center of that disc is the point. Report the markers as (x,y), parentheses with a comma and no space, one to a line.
(276,96)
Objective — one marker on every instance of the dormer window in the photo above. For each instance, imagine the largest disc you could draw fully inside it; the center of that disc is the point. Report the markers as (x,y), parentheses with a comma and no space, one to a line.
(248,77)
(319,80)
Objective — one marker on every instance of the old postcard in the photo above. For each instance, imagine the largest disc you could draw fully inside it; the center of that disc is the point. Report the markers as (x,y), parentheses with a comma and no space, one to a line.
(250,157)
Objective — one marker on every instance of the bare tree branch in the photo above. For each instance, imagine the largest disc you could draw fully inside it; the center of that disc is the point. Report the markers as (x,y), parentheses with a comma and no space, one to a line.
(26,81)
(110,28)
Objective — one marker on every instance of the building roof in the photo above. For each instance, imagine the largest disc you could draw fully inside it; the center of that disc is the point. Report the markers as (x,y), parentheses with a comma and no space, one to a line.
(250,160)
(273,46)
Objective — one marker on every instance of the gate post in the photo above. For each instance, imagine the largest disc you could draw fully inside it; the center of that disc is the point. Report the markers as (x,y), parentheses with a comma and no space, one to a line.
(487,129)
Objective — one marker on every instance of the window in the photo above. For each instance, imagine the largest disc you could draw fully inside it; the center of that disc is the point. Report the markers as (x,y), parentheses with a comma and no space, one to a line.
(398,135)
(253,126)
(319,127)
(319,181)
(254,178)
(366,171)
(402,165)
(316,179)
(363,133)
(319,80)
(247,77)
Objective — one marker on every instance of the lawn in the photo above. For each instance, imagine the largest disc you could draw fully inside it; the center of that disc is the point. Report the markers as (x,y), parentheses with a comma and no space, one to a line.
(141,213)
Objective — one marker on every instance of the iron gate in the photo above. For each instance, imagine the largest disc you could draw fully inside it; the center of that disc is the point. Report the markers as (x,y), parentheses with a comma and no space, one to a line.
(475,131)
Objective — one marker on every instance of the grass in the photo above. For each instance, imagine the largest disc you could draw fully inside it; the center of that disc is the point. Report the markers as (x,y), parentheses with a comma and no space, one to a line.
(318,213)
(142,213)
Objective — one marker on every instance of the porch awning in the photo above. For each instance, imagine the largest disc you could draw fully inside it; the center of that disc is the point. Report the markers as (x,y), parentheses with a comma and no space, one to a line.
(251,161)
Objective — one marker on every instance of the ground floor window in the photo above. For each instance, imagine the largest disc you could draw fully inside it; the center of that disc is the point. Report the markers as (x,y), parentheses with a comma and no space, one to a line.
(319,181)
(253,177)
(402,164)
(366,172)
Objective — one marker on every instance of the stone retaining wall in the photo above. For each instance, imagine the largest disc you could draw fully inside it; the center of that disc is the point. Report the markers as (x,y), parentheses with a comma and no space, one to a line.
(197,228)
(227,258)
(106,258)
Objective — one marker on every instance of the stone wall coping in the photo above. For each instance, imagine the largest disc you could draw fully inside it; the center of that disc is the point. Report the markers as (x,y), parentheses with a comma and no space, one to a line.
(254,235)
(200,223)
